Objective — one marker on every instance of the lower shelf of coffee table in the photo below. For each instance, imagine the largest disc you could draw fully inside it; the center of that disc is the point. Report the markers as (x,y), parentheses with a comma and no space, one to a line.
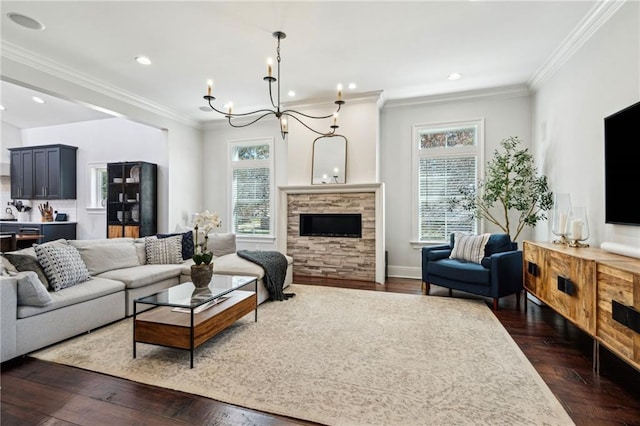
(162,326)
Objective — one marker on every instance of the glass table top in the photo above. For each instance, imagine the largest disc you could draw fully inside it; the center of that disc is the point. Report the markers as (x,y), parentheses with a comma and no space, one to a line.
(186,295)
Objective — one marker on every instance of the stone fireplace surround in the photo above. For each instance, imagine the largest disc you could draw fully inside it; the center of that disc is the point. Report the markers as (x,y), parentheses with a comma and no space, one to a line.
(334,257)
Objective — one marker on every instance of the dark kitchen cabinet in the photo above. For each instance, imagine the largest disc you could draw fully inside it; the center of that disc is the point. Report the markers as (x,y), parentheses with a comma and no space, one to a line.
(46,172)
(21,174)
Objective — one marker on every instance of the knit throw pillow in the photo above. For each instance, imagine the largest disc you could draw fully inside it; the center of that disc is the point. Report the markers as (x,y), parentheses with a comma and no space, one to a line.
(62,265)
(163,250)
(469,247)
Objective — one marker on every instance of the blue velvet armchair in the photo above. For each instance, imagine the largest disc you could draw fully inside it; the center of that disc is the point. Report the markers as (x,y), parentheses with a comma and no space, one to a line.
(498,274)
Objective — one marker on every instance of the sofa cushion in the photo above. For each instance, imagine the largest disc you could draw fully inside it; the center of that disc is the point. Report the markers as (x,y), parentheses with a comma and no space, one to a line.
(104,257)
(140,276)
(221,244)
(25,261)
(88,290)
(162,251)
(469,247)
(62,265)
(498,243)
(188,247)
(461,271)
(31,291)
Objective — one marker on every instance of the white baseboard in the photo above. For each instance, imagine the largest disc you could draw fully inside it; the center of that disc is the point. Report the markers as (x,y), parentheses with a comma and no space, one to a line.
(404,272)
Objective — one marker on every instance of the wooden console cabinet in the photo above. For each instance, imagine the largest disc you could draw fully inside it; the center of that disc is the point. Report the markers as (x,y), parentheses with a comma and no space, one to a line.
(596,290)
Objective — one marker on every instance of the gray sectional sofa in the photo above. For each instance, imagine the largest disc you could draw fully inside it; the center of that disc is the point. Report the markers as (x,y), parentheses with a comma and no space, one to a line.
(118,273)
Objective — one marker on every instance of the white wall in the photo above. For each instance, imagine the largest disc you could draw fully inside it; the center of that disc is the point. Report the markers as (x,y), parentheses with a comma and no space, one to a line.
(11,137)
(359,123)
(600,79)
(505,113)
(105,141)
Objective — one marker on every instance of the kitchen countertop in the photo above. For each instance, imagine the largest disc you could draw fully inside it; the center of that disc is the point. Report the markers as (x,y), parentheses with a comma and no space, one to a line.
(35,223)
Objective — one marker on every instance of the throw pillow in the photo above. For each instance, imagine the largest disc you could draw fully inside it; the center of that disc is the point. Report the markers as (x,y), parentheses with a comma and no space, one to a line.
(63,265)
(26,262)
(221,244)
(31,291)
(187,243)
(100,258)
(163,250)
(469,247)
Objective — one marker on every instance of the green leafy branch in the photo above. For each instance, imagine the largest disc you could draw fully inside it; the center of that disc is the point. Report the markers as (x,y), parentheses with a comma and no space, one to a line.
(511,183)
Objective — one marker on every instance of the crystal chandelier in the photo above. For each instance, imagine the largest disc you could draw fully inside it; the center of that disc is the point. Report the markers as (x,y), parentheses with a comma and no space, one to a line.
(277,111)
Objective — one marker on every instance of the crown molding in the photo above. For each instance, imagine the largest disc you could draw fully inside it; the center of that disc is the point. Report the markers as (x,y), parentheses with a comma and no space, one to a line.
(494,92)
(597,16)
(48,66)
(373,96)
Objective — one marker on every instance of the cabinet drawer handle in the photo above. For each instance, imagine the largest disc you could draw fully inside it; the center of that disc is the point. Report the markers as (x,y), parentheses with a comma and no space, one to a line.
(532,268)
(565,285)
(625,315)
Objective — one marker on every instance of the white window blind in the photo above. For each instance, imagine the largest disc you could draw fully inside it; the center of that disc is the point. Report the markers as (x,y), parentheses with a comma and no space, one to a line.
(440,179)
(446,157)
(251,188)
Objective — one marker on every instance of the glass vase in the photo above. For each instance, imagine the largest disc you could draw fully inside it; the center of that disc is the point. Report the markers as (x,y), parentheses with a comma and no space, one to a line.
(560,218)
(578,227)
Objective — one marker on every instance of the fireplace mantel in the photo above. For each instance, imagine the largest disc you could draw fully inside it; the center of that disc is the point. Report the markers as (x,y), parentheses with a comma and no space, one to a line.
(317,191)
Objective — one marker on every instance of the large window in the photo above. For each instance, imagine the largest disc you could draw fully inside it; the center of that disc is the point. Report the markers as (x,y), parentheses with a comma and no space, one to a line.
(446,157)
(252,187)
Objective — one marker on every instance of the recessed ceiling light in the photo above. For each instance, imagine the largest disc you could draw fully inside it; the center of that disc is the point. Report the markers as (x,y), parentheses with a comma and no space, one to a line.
(352,86)
(143,60)
(25,21)
(2,108)
(37,100)
(291,93)
(455,76)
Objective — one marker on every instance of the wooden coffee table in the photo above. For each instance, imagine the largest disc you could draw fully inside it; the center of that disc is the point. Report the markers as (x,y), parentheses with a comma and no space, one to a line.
(185,317)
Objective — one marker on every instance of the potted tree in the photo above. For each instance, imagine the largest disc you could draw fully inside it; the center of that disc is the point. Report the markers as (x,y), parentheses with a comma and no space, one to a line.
(511,184)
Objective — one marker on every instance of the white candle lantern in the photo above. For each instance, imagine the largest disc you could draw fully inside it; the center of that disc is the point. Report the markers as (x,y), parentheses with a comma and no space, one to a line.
(578,227)
(560,218)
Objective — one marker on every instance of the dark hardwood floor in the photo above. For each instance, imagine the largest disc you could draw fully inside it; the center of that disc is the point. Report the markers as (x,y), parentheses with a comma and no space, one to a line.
(40,393)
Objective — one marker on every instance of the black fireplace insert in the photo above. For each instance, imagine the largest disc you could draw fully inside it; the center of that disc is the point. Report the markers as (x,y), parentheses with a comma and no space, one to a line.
(347,225)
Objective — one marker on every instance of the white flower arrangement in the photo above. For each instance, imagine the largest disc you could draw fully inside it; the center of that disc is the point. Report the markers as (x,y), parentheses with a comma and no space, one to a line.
(204,222)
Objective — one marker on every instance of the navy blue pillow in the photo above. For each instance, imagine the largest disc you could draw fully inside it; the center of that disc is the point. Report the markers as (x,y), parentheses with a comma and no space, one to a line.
(497,243)
(187,243)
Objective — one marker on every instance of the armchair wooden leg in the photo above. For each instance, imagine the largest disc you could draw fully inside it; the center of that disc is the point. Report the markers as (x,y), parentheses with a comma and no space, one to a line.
(426,287)
(518,300)
(495,303)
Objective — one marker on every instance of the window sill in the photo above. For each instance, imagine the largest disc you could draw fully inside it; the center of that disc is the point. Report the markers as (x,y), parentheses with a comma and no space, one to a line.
(96,210)
(417,245)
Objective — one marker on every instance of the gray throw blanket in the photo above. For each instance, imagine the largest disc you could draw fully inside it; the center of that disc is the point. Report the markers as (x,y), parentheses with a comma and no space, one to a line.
(274,264)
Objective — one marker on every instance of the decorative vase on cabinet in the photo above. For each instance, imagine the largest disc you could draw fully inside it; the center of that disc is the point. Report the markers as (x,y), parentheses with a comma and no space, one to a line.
(132,199)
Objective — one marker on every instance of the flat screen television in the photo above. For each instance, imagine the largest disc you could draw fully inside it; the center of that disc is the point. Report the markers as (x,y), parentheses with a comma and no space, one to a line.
(622,166)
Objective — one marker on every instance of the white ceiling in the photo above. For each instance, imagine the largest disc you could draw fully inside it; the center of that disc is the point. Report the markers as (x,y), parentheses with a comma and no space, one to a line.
(405,49)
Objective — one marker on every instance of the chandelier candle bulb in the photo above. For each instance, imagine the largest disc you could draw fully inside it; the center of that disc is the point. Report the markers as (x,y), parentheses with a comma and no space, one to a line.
(284,125)
(339,92)
(269,69)
(209,87)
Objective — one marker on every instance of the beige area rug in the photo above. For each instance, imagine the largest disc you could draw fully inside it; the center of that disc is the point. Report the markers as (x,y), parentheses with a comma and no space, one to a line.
(345,357)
